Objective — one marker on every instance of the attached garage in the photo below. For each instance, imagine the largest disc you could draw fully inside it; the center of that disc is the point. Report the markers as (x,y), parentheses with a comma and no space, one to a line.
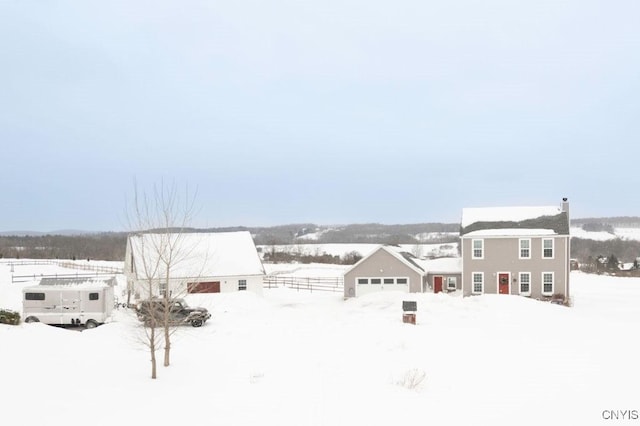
(387,268)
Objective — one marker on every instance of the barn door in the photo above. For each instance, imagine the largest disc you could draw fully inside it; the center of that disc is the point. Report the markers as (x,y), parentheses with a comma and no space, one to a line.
(204,287)
(503,283)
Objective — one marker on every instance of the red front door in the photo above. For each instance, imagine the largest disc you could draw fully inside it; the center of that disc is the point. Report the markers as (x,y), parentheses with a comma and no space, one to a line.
(437,284)
(503,283)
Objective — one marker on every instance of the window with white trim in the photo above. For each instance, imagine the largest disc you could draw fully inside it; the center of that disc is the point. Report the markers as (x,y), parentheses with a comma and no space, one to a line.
(451,283)
(547,283)
(478,283)
(388,281)
(363,281)
(242,284)
(525,248)
(477,249)
(525,283)
(376,281)
(401,281)
(547,248)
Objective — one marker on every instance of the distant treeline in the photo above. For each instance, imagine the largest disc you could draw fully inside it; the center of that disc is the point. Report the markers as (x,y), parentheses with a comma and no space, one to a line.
(111,245)
(618,221)
(623,250)
(103,246)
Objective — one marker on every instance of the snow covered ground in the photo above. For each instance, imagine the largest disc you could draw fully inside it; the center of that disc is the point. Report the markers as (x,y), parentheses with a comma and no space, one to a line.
(297,358)
(623,233)
(324,270)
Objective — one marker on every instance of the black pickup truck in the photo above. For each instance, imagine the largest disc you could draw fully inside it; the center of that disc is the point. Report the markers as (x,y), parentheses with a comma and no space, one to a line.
(152,312)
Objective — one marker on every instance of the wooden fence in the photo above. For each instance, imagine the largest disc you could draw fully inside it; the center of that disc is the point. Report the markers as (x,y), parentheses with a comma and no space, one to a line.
(334,284)
(28,262)
(95,268)
(33,277)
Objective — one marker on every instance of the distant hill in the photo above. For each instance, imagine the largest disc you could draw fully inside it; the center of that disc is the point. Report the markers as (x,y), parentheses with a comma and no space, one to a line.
(37,233)
(615,222)
(593,236)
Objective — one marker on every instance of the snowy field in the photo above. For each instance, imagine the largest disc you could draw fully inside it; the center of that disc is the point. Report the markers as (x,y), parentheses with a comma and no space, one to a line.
(295,358)
(325,270)
(622,233)
(425,250)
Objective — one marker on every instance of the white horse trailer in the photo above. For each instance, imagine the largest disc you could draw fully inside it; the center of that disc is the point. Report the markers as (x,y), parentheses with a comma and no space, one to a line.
(69,302)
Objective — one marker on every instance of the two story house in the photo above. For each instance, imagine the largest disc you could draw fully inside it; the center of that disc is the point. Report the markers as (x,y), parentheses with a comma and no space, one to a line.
(516,250)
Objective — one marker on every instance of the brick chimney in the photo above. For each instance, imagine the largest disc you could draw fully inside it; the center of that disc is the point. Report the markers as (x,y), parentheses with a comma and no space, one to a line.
(565,206)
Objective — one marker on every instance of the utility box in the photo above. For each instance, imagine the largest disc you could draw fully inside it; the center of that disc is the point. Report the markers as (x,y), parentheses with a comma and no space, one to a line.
(408,306)
(409,309)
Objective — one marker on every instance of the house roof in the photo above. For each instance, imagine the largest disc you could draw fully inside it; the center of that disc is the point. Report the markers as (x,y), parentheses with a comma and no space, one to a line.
(450,265)
(216,254)
(395,251)
(402,254)
(540,220)
(443,265)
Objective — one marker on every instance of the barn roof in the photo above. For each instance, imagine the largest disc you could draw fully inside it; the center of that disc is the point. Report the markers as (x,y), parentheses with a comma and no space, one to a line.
(215,254)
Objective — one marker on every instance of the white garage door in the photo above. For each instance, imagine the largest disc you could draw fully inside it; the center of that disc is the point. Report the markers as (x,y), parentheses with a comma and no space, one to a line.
(366,285)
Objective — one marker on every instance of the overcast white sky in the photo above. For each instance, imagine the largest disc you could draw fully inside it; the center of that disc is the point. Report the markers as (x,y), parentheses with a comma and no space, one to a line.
(317,111)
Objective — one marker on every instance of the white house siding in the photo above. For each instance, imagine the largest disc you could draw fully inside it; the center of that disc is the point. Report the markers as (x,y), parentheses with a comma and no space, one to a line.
(179,286)
(501,255)
(230,284)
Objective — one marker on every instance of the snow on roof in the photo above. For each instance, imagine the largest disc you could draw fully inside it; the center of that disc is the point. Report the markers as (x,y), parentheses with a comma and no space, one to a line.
(69,287)
(404,255)
(506,214)
(511,232)
(395,251)
(450,265)
(422,266)
(216,254)
(79,281)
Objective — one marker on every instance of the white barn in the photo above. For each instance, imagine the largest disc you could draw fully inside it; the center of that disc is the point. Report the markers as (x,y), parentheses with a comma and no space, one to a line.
(198,263)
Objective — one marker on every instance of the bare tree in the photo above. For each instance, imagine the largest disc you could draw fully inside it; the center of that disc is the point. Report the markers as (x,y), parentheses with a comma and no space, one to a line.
(160,221)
